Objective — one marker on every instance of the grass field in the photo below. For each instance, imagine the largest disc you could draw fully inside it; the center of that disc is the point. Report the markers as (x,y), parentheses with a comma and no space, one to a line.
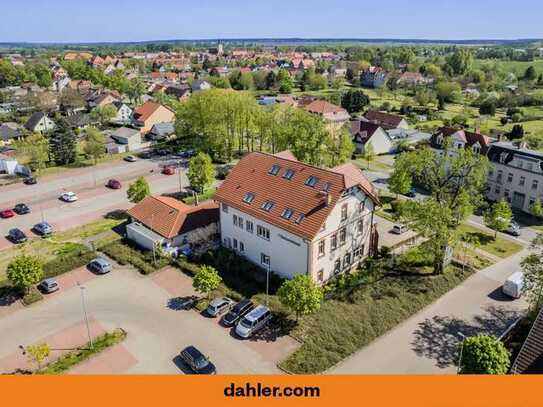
(61,243)
(500,247)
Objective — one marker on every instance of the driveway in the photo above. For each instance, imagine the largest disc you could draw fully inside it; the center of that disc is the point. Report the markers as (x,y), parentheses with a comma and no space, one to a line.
(157,330)
(428,342)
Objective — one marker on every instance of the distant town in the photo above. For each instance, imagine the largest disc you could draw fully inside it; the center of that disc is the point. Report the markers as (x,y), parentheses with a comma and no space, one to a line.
(287,206)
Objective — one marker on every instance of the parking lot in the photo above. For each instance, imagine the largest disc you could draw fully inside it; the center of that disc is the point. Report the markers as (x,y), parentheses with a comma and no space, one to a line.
(145,308)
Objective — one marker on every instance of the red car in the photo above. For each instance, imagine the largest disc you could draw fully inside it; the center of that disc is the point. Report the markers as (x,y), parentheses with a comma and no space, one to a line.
(168,170)
(7,213)
(114,184)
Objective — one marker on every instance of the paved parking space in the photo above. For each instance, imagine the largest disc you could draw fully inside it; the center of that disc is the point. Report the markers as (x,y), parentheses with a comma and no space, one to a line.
(156,332)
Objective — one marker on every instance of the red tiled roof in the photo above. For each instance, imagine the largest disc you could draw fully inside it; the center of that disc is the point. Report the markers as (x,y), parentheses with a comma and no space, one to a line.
(323,107)
(469,137)
(169,217)
(251,175)
(145,111)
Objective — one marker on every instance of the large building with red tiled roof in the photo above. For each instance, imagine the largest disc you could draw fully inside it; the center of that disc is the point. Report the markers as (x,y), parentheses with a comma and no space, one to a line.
(161,221)
(295,218)
(151,113)
(333,115)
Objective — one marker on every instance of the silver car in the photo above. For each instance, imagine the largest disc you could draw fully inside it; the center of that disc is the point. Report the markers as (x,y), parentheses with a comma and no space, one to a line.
(49,285)
(219,306)
(100,265)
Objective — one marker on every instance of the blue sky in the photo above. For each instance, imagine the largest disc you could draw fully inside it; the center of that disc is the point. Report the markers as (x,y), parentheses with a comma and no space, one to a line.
(136,20)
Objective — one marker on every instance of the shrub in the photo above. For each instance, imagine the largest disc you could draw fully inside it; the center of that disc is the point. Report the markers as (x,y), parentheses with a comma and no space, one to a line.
(32,295)
(125,252)
(68,260)
(484,354)
(396,206)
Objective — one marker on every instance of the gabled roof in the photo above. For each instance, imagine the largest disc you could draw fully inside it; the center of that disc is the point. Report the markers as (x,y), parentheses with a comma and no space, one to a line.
(169,217)
(385,120)
(145,111)
(323,107)
(367,129)
(252,175)
(530,357)
(468,137)
(33,121)
(9,131)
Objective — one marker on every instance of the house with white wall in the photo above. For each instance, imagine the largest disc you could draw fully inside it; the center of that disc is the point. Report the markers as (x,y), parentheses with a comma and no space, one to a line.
(366,133)
(294,218)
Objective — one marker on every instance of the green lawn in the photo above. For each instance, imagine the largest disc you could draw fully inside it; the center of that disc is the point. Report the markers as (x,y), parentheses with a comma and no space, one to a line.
(360,314)
(500,247)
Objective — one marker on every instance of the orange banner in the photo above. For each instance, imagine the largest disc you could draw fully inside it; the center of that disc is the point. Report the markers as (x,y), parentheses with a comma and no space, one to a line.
(382,391)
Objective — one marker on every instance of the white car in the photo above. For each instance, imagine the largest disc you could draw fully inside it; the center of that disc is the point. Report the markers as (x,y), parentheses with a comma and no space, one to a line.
(69,197)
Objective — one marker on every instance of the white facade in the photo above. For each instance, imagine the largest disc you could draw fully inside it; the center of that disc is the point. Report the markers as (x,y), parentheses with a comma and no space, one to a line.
(348,225)
(380,141)
(124,115)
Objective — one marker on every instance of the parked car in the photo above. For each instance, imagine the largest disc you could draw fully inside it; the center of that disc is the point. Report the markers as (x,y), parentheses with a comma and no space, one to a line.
(69,197)
(513,229)
(30,181)
(7,213)
(114,184)
(100,265)
(21,209)
(399,229)
(168,170)
(239,310)
(48,286)
(17,235)
(130,158)
(253,321)
(146,154)
(43,229)
(196,360)
(514,284)
(219,306)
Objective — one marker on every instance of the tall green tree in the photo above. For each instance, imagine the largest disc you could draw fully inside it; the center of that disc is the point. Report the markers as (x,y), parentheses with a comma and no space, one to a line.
(537,209)
(206,280)
(95,144)
(456,181)
(461,61)
(301,295)
(484,354)
(201,172)
(62,144)
(354,100)
(138,190)
(498,217)
(24,271)
(102,115)
(369,153)
(36,148)
(532,266)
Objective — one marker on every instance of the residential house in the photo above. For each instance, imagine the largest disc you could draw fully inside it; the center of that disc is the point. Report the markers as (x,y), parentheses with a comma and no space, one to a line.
(516,175)
(124,113)
(373,77)
(151,113)
(161,131)
(366,133)
(461,138)
(72,56)
(131,138)
(103,99)
(199,85)
(180,92)
(166,223)
(294,218)
(530,357)
(334,116)
(9,131)
(413,79)
(39,122)
(78,120)
(387,121)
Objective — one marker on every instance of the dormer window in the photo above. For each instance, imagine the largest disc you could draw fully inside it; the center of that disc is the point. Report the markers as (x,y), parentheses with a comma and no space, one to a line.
(300,218)
(249,197)
(289,173)
(326,186)
(287,213)
(274,170)
(267,206)
(311,181)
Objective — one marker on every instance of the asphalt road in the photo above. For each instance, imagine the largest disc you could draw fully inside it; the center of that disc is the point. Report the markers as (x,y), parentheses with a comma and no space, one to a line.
(95,200)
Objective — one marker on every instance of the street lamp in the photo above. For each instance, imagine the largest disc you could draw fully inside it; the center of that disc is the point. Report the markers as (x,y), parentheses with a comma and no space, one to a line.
(461,335)
(82,291)
(268,280)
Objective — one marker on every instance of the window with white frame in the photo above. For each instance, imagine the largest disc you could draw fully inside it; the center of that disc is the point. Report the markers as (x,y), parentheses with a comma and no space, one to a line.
(249,226)
(337,266)
(342,236)
(263,232)
(333,242)
(240,222)
(344,212)
(235,220)
(264,259)
(321,248)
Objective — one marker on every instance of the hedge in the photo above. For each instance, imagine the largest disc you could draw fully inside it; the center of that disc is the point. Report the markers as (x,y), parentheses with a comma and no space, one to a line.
(125,252)
(68,261)
(33,295)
